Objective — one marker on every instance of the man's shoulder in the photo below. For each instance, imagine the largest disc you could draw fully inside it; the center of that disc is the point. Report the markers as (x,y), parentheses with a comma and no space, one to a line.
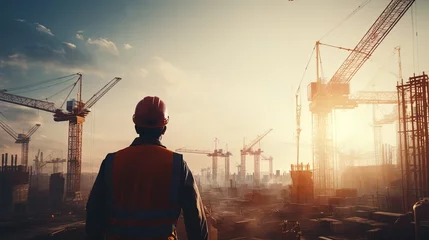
(179,155)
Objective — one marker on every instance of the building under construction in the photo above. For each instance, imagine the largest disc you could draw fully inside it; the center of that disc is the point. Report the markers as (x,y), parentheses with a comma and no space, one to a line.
(301,190)
(14,185)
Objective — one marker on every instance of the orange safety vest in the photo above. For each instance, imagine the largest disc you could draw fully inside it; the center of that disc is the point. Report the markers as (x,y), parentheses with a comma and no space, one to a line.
(143,192)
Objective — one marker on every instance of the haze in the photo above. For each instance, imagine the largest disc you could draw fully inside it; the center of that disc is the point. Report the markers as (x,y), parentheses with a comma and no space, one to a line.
(226,70)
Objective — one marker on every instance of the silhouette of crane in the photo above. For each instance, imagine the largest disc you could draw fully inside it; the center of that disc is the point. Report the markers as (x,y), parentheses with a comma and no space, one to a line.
(20,138)
(247,149)
(214,154)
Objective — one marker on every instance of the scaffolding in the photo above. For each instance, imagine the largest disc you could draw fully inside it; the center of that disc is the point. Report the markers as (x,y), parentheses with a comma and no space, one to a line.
(413,97)
(323,159)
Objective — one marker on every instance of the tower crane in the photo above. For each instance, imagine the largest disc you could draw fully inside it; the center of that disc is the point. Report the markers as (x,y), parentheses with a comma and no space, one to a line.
(214,155)
(38,166)
(21,138)
(75,114)
(270,164)
(247,149)
(38,163)
(334,94)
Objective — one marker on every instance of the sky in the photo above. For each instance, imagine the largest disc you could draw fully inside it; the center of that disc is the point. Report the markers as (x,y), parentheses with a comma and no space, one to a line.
(226,69)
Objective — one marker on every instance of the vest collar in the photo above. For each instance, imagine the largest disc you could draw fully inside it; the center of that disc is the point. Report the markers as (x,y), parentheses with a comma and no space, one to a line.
(145,140)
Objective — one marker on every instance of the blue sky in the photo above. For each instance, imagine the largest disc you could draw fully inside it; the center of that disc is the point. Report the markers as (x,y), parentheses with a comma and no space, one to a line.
(226,69)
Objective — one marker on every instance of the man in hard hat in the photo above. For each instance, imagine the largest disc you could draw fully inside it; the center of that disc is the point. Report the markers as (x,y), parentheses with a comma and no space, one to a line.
(140,190)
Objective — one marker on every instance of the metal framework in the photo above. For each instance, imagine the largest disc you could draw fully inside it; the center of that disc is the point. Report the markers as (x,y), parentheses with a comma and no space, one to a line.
(75,115)
(326,96)
(413,109)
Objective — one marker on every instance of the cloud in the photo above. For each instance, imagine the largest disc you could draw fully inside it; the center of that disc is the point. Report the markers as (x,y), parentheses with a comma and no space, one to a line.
(15,60)
(70,45)
(161,77)
(20,115)
(127,46)
(20,20)
(43,29)
(79,36)
(143,72)
(67,59)
(168,72)
(24,48)
(80,31)
(104,44)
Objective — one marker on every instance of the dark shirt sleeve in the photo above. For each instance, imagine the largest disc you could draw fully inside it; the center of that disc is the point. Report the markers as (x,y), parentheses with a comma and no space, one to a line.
(192,206)
(95,208)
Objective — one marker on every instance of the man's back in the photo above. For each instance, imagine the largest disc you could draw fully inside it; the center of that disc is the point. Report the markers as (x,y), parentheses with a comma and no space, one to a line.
(145,185)
(144,178)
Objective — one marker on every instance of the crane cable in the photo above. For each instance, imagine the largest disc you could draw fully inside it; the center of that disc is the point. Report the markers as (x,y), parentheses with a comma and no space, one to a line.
(373,81)
(71,90)
(62,90)
(329,32)
(346,18)
(38,83)
(305,71)
(44,87)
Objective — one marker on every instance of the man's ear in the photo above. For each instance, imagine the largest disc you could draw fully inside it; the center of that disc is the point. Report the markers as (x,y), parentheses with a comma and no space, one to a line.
(163,131)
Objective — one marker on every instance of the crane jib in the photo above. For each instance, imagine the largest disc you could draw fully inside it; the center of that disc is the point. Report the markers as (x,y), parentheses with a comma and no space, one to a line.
(28,102)
(371,40)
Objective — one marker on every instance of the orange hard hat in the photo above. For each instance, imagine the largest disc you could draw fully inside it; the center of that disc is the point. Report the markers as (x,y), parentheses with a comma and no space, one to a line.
(151,112)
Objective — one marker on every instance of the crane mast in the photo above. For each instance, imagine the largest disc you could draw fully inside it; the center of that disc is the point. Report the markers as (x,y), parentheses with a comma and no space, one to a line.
(298,123)
(324,97)
(75,114)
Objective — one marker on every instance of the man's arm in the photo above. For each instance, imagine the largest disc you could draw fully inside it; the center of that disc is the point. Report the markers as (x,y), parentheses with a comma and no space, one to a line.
(95,208)
(192,206)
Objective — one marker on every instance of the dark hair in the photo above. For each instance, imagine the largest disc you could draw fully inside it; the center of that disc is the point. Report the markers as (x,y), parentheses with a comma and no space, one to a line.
(150,132)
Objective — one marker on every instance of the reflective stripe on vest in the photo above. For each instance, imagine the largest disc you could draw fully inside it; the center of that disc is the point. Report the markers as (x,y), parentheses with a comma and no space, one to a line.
(135,222)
